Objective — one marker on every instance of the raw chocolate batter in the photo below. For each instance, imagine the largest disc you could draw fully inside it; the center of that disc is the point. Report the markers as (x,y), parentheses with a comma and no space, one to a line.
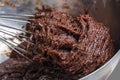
(66,48)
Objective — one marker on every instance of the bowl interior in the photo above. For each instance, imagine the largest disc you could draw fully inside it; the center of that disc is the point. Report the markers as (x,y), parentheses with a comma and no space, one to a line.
(105,11)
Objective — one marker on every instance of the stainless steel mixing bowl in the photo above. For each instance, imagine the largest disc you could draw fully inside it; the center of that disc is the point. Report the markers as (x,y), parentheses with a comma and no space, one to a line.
(105,11)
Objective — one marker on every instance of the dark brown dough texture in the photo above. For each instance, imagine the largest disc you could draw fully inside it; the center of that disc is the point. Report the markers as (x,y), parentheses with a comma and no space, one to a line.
(66,47)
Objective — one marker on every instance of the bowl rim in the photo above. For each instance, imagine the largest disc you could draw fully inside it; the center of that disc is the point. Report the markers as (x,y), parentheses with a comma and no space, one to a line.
(92,73)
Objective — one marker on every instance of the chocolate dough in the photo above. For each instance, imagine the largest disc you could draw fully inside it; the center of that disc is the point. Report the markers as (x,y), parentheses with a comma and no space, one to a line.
(65,48)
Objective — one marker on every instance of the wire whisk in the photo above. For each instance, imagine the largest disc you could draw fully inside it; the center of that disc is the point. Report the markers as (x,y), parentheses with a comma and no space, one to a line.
(5,29)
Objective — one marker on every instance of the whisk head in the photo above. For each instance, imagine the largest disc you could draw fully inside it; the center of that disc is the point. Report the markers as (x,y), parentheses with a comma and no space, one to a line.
(8,30)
